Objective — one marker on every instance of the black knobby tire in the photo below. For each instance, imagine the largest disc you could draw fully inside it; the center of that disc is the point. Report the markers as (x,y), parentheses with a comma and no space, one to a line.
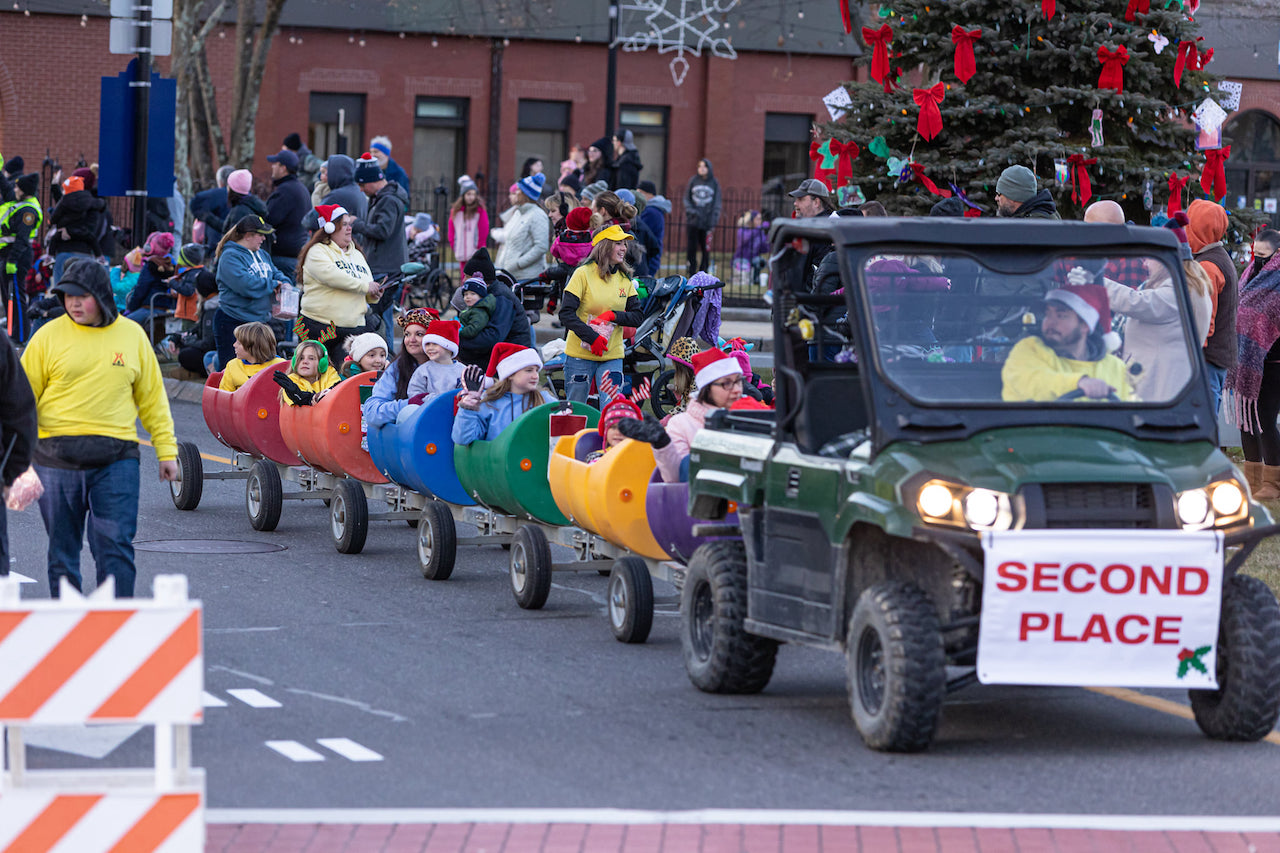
(1247,702)
(630,600)
(187,490)
(896,667)
(437,541)
(719,655)
(662,399)
(264,496)
(349,517)
(530,567)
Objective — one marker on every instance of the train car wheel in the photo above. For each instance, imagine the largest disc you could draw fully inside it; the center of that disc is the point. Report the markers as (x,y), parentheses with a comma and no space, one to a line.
(349,517)
(187,490)
(630,600)
(437,541)
(530,567)
(264,495)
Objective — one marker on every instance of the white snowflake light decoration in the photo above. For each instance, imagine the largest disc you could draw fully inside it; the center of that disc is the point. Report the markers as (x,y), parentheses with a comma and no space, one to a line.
(689,30)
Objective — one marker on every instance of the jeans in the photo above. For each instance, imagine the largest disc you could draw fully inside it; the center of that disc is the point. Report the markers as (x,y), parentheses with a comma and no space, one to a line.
(224,336)
(1217,376)
(697,245)
(60,260)
(108,496)
(4,542)
(579,373)
(286,265)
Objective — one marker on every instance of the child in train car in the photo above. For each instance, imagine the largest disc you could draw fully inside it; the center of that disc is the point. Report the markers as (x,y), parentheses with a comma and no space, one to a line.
(439,374)
(255,347)
(753,385)
(390,393)
(366,352)
(310,375)
(681,353)
(620,409)
(480,305)
(515,372)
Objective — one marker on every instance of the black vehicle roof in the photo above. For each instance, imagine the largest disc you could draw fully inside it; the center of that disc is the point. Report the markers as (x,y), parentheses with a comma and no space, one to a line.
(986,232)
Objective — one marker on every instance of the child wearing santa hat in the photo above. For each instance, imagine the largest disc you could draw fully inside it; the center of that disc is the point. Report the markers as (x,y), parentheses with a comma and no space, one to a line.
(611,435)
(718,377)
(439,373)
(515,373)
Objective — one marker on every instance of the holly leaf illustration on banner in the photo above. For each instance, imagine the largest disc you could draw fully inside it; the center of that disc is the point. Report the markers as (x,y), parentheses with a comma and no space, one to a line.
(1189,660)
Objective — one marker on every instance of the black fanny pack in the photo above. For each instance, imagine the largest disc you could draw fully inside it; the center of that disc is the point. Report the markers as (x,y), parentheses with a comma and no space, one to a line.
(82,452)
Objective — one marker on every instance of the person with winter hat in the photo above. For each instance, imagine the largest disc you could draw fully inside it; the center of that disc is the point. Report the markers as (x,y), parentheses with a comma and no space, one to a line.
(1018,197)
(515,373)
(527,236)
(718,377)
(337,285)
(597,167)
(390,393)
(1206,233)
(339,177)
(626,161)
(366,353)
(244,203)
(20,223)
(153,280)
(380,232)
(1254,382)
(468,222)
(1072,355)
(75,222)
(439,374)
(574,243)
(380,147)
(288,203)
(480,306)
(610,435)
(598,301)
(308,163)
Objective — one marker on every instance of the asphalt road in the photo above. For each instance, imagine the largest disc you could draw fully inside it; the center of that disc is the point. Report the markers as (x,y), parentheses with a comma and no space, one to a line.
(449,695)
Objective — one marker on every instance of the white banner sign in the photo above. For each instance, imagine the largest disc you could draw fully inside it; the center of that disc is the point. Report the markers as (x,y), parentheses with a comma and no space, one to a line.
(1131,608)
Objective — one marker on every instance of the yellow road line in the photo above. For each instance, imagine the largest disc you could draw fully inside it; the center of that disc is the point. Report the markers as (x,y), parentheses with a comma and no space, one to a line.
(1155,703)
(207,457)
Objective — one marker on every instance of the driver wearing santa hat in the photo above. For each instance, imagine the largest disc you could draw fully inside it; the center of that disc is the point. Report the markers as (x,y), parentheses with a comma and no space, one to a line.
(1072,356)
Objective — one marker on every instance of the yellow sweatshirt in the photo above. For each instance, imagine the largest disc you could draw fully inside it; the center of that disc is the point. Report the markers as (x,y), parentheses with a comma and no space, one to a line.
(237,372)
(1033,371)
(328,380)
(335,285)
(99,380)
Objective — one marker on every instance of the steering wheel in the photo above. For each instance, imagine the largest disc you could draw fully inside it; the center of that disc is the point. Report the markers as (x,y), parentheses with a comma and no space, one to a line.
(1077,394)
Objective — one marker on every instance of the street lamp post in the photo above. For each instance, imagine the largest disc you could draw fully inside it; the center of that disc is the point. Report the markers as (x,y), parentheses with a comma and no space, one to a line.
(611,79)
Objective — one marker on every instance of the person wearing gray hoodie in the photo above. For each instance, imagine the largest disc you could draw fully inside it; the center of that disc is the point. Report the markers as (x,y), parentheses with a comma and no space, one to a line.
(701,213)
(341,170)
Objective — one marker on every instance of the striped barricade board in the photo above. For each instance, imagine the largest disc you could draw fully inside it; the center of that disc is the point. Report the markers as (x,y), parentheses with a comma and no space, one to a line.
(112,822)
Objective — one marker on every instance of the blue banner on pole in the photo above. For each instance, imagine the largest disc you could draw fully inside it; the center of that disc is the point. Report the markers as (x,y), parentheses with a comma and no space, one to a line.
(116,139)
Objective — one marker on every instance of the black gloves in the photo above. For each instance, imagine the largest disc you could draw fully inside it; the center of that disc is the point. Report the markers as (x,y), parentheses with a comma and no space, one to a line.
(648,430)
(293,392)
(473,378)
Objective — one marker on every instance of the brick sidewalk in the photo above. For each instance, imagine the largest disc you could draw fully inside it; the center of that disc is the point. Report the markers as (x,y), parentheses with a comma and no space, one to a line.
(709,838)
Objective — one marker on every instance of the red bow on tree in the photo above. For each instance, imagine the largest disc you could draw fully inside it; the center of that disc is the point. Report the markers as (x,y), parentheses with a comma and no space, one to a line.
(1189,57)
(918,171)
(844,16)
(1113,62)
(930,122)
(963,40)
(1137,7)
(1048,7)
(843,149)
(1213,179)
(1081,188)
(1176,186)
(879,39)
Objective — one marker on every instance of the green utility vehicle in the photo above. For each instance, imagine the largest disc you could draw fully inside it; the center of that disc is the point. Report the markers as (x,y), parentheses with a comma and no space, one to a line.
(990,461)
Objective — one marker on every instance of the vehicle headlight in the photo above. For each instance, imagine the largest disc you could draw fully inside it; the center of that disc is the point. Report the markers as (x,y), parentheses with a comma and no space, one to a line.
(936,500)
(1219,504)
(941,502)
(981,507)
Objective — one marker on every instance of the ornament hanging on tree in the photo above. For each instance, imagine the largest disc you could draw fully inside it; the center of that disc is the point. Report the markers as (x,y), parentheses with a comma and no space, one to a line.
(688,31)
(1048,8)
(1061,172)
(837,102)
(1113,62)
(1230,100)
(1081,188)
(1190,57)
(918,172)
(1213,178)
(1095,128)
(963,39)
(929,124)
(879,41)
(1137,7)
(895,166)
(879,147)
(845,17)
(1158,40)
(824,162)
(1176,186)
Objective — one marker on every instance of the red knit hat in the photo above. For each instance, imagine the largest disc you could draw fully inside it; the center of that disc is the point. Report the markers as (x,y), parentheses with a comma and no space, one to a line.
(509,358)
(1090,303)
(714,365)
(444,333)
(619,410)
(330,216)
(579,219)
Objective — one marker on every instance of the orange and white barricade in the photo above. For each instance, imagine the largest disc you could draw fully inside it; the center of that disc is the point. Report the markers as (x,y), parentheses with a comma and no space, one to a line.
(77,661)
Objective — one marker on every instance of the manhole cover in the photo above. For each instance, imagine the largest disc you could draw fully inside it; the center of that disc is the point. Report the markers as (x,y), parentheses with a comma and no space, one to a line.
(207,546)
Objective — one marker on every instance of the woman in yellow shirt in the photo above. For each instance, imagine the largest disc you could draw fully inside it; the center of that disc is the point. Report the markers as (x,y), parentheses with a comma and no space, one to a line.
(598,301)
(255,347)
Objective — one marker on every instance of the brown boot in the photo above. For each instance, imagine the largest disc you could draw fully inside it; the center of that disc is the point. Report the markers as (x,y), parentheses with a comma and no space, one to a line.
(1269,490)
(1253,476)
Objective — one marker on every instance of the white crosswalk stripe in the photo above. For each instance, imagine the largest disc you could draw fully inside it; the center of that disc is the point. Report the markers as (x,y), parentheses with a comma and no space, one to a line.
(294,751)
(349,749)
(211,701)
(254,698)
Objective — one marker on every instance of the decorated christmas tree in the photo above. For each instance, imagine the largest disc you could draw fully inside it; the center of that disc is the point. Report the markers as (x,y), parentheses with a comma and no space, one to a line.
(1095,96)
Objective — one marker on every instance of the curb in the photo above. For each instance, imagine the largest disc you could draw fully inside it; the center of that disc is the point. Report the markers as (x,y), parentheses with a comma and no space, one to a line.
(186,392)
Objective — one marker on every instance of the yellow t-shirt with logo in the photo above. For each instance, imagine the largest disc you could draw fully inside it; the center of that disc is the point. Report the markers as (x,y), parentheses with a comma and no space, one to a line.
(597,295)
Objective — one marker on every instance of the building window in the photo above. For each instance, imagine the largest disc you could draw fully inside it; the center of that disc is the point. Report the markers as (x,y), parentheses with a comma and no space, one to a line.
(337,124)
(648,126)
(541,132)
(439,150)
(786,151)
(1253,172)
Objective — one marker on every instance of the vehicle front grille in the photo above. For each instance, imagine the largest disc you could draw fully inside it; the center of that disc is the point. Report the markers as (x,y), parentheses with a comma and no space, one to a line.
(1095,505)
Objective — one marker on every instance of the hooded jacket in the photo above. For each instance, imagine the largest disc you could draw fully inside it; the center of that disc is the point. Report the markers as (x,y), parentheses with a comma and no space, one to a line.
(82,214)
(211,207)
(17,414)
(246,281)
(288,204)
(335,285)
(702,200)
(382,231)
(1206,228)
(626,170)
(1039,206)
(341,172)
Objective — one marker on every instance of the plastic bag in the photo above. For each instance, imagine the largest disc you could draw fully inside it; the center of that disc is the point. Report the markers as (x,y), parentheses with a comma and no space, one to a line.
(284,305)
(25,491)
